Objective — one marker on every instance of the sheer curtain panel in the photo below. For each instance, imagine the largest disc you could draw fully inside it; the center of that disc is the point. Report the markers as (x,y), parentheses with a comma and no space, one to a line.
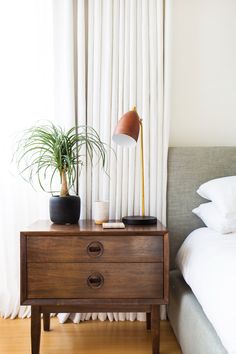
(80,62)
(120,64)
(36,76)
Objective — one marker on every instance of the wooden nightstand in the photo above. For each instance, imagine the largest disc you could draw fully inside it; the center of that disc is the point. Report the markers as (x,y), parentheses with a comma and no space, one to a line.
(83,268)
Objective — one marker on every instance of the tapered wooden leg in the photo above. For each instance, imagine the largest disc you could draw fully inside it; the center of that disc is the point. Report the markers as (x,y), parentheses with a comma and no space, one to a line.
(155,327)
(35,329)
(46,322)
(148,320)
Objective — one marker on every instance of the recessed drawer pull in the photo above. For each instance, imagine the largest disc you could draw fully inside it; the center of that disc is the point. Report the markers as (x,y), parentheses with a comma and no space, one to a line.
(95,281)
(95,249)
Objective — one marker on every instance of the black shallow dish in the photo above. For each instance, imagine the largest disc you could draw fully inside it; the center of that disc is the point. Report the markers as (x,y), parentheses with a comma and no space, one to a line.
(139,220)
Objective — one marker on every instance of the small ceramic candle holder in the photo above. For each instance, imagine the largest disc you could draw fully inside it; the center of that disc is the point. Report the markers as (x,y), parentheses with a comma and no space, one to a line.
(101,212)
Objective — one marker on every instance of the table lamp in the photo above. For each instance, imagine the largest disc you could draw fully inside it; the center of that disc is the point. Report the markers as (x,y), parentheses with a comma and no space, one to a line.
(126,134)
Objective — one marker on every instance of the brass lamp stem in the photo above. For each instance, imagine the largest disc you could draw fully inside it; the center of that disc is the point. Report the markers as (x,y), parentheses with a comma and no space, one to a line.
(142,166)
(142,162)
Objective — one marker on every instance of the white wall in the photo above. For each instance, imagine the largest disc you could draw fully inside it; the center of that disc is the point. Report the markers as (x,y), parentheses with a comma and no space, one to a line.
(201,72)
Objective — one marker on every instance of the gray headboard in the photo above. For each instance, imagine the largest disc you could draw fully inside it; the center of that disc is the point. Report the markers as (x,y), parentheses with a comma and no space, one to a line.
(188,167)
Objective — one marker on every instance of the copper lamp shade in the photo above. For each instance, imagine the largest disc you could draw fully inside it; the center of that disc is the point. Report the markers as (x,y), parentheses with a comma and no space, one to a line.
(127,129)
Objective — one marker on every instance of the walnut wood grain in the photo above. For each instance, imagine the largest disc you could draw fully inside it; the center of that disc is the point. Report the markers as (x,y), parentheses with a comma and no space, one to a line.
(56,262)
(23,268)
(148,321)
(69,280)
(46,321)
(75,249)
(166,267)
(96,308)
(35,329)
(94,302)
(86,227)
(155,328)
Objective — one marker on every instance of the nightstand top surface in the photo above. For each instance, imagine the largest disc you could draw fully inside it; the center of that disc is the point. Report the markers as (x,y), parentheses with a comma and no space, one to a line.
(88,227)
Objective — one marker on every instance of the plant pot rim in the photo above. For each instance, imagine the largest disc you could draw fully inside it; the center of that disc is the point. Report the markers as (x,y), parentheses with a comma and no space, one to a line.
(67,196)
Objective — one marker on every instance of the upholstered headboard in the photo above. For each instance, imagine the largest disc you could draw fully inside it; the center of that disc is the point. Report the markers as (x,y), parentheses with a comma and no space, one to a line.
(188,167)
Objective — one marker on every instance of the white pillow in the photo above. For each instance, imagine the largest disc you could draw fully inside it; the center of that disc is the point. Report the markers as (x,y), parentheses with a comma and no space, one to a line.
(221,191)
(212,217)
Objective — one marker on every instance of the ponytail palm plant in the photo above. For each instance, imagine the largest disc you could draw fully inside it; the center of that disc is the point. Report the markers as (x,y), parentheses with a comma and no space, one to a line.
(47,151)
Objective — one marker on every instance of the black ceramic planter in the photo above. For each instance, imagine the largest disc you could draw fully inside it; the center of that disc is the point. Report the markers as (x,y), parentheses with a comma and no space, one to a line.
(64,210)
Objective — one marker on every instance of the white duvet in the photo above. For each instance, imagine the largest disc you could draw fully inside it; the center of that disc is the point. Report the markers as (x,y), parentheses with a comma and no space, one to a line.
(207,261)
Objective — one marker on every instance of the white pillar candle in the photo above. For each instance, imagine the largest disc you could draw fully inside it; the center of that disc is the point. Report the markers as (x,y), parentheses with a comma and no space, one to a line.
(101,212)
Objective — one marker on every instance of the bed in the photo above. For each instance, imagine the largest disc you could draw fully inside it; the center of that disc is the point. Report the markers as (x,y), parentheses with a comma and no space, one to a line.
(188,167)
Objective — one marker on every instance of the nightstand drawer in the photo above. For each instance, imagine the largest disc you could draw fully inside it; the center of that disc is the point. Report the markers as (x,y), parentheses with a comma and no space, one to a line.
(95,249)
(95,281)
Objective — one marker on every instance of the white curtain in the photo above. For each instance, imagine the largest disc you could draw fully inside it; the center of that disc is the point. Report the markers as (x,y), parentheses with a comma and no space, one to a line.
(120,64)
(87,61)
(125,68)
(35,77)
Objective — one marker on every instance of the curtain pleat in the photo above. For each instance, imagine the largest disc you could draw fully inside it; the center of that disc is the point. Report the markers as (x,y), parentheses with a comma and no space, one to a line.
(119,150)
(29,36)
(81,49)
(132,53)
(139,88)
(114,107)
(124,69)
(106,56)
(64,73)
(153,106)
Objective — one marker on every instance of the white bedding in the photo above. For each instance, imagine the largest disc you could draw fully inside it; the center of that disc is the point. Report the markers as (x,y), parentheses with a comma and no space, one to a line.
(207,261)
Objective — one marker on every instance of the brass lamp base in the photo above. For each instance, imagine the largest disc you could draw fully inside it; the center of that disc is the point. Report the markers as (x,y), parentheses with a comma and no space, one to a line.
(139,220)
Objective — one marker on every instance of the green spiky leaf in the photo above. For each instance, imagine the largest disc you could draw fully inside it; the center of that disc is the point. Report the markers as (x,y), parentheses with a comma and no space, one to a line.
(46,151)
